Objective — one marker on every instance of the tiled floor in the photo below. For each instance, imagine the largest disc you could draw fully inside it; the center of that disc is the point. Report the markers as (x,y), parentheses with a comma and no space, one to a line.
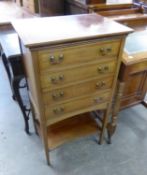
(21,154)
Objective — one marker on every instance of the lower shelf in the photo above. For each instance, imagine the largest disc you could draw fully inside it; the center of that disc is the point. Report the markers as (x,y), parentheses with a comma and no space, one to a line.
(72,128)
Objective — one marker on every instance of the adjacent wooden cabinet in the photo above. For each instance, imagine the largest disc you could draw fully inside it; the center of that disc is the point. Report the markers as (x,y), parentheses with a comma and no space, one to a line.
(82,6)
(51,7)
(72,64)
(31,6)
(125,12)
(133,71)
(132,79)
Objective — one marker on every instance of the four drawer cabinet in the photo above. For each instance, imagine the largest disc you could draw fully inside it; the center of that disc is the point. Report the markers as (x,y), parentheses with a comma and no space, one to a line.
(72,65)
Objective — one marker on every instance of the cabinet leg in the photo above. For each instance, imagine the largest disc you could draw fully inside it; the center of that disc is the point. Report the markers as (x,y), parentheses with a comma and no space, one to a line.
(44,134)
(46,148)
(104,124)
(45,141)
(47,157)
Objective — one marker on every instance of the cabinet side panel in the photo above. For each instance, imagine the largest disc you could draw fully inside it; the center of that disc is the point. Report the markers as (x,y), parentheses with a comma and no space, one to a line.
(30,74)
(31,68)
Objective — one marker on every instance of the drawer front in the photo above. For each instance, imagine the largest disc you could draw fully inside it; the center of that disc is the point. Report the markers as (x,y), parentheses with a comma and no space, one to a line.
(70,56)
(81,89)
(62,78)
(74,106)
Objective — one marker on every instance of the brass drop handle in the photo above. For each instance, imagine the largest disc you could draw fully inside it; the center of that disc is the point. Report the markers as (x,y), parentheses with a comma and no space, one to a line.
(99,69)
(98,99)
(61,77)
(55,110)
(56,60)
(58,110)
(103,69)
(57,79)
(100,84)
(105,51)
(52,59)
(109,49)
(61,109)
(54,80)
(61,94)
(57,95)
(60,58)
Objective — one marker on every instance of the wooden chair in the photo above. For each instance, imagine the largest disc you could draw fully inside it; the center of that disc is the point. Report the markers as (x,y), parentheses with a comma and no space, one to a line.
(12,60)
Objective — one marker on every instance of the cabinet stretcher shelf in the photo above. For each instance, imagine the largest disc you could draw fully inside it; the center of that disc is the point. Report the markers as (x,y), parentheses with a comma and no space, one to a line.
(75,127)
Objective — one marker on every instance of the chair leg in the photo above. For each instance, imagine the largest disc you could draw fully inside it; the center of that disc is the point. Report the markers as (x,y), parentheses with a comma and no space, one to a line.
(34,119)
(15,86)
(5,63)
(6,66)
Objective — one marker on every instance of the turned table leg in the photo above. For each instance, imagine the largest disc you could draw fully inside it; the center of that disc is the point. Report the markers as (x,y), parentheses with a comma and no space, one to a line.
(111,127)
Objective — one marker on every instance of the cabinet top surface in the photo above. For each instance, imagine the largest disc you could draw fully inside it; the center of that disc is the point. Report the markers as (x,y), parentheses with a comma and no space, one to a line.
(62,29)
(135,48)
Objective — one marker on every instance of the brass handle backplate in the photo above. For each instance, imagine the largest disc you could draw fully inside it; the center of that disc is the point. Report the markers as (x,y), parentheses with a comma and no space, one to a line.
(104,51)
(100,84)
(56,60)
(58,95)
(57,79)
(58,110)
(103,69)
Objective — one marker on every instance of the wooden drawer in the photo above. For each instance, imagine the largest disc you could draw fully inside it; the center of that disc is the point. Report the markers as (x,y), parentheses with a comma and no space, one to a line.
(84,104)
(62,78)
(81,89)
(69,56)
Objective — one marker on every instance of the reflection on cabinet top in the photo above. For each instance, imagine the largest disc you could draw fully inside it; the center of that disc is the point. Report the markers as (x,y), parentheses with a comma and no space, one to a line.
(55,30)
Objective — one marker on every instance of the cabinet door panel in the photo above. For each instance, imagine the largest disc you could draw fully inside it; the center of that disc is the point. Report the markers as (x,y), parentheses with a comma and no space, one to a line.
(135,89)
